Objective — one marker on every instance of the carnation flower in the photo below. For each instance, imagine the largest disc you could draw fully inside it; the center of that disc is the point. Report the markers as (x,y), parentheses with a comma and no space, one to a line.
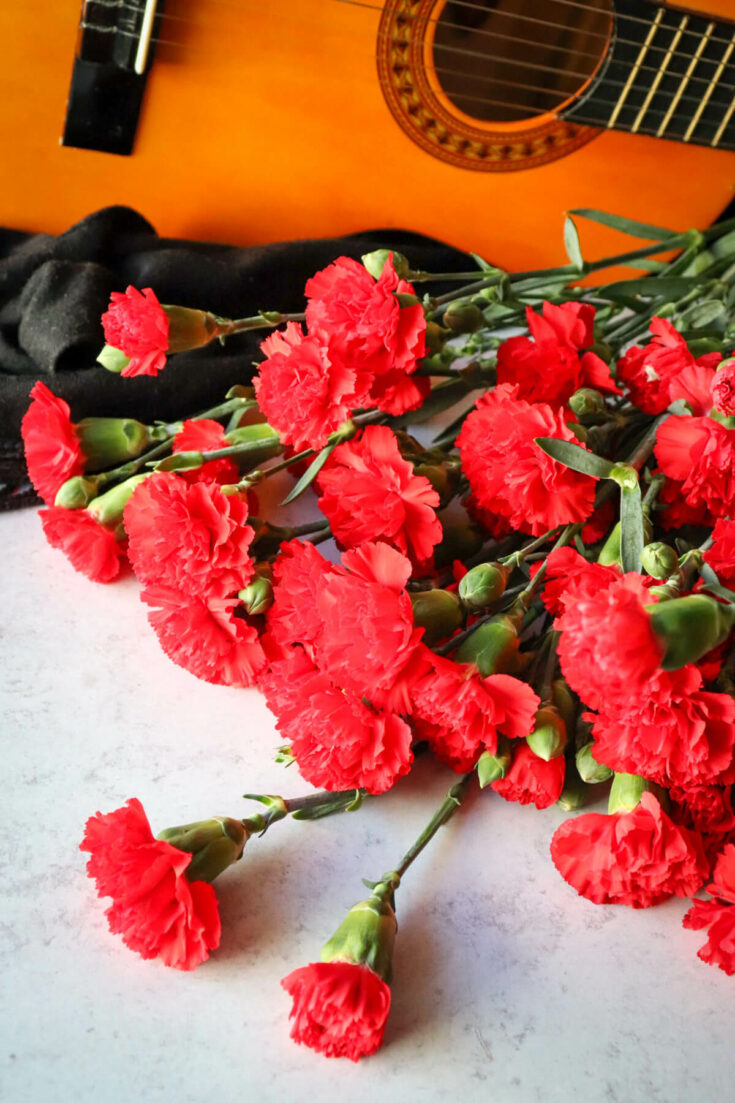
(369,492)
(204,435)
(368,328)
(189,536)
(718,915)
(338,740)
(721,556)
(552,366)
(656,374)
(304,387)
(206,635)
(52,450)
(158,912)
(670,730)
(706,809)
(530,779)
(507,471)
(463,711)
(339,1009)
(137,324)
(607,647)
(298,572)
(638,858)
(699,453)
(723,388)
(92,549)
(673,511)
(570,578)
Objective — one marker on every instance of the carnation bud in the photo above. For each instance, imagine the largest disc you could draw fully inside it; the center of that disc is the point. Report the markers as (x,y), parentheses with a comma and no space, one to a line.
(405,298)
(626,792)
(215,844)
(463,317)
(549,736)
(258,442)
(109,440)
(561,698)
(108,508)
(689,627)
(367,934)
(483,585)
(589,769)
(659,559)
(575,793)
(257,597)
(375,263)
(181,461)
(587,402)
(610,554)
(493,767)
(723,388)
(443,478)
(76,493)
(438,612)
(435,337)
(113,359)
(492,647)
(189,329)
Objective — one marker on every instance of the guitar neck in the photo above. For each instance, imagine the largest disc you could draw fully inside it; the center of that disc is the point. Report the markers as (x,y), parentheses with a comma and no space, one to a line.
(668,73)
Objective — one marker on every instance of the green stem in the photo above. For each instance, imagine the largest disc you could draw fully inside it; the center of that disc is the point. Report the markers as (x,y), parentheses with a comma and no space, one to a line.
(444,812)
(267,320)
(527,594)
(517,557)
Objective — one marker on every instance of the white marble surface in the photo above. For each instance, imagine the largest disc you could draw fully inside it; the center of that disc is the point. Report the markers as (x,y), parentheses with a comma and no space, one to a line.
(507,986)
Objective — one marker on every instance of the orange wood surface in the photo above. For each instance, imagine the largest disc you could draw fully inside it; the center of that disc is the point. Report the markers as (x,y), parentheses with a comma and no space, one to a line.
(266,121)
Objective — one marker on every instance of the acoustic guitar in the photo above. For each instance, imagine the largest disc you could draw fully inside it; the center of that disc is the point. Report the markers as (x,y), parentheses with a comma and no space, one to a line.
(477,121)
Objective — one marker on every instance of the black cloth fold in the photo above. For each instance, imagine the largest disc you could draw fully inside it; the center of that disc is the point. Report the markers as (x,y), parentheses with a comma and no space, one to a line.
(54,289)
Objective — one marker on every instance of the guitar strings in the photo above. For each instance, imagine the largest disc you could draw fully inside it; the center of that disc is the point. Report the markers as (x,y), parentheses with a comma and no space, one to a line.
(602,81)
(481,54)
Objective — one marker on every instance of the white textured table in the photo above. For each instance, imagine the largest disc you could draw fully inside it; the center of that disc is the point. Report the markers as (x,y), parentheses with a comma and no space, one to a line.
(507,986)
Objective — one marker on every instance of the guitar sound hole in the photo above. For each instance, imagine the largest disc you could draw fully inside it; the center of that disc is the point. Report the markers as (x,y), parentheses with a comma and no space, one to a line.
(505,61)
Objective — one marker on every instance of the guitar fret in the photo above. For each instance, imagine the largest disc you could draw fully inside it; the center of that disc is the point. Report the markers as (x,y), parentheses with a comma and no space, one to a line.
(705,100)
(660,74)
(680,90)
(723,126)
(634,72)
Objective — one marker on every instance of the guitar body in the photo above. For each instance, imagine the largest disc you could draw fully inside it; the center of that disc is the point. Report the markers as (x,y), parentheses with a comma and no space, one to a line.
(265,122)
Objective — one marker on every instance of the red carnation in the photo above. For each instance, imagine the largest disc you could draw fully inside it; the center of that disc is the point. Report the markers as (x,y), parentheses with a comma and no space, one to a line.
(298,573)
(721,556)
(723,388)
(507,471)
(607,646)
(531,780)
(338,740)
(706,809)
(305,388)
(52,449)
(189,536)
(552,366)
(637,858)
(91,548)
(465,711)
(673,510)
(699,452)
(204,435)
(206,635)
(369,492)
(670,730)
(339,1009)
(366,325)
(656,374)
(369,641)
(718,915)
(155,909)
(569,578)
(137,324)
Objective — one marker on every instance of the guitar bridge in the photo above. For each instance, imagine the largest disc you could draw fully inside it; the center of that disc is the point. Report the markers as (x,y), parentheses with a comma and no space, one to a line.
(115,49)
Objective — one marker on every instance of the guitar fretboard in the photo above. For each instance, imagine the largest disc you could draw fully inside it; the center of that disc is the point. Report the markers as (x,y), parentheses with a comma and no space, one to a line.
(668,73)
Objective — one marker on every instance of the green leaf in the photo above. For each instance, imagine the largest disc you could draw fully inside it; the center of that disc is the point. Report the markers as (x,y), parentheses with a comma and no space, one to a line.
(631,526)
(625,225)
(571,244)
(578,459)
(483,264)
(703,313)
(652,287)
(310,474)
(713,585)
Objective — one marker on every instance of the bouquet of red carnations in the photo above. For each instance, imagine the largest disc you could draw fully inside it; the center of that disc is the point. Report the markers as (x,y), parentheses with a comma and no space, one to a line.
(540,596)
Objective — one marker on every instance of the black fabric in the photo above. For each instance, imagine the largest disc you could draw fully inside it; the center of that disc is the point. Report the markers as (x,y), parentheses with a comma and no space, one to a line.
(54,289)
